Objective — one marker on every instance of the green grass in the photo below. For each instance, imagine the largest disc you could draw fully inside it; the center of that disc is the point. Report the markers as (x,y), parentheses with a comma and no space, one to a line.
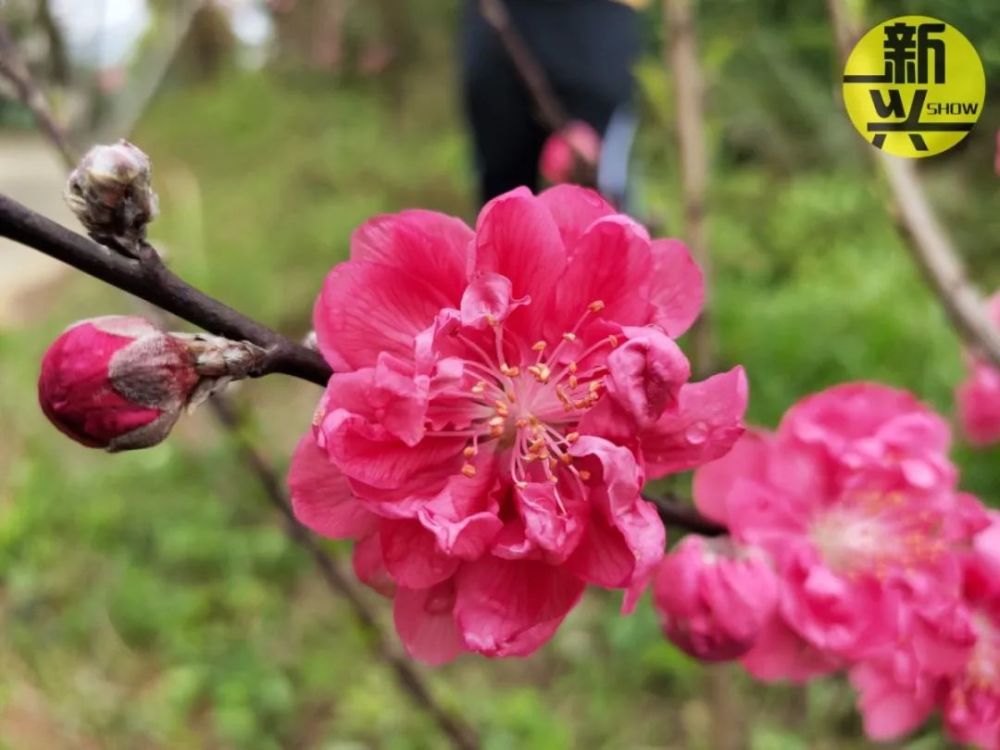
(151,599)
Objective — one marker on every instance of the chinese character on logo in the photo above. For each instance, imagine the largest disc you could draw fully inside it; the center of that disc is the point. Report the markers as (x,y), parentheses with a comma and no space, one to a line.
(912,53)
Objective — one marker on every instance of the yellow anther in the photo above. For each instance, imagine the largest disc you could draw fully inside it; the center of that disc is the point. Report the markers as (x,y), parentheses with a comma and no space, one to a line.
(573,367)
(539,346)
(469,470)
(573,382)
(553,464)
(520,484)
(566,459)
(469,451)
(521,423)
(561,394)
(540,372)
(572,437)
(569,336)
(584,475)
(491,320)
(595,385)
(596,306)
(554,479)
(479,387)
(510,396)
(496,421)
(613,340)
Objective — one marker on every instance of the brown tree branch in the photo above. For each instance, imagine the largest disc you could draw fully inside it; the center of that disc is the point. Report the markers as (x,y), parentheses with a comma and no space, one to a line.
(924,236)
(461,735)
(159,286)
(550,109)
(682,54)
(675,511)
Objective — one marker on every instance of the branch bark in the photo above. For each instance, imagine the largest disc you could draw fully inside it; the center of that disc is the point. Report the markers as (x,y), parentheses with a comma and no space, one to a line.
(675,511)
(159,286)
(461,735)
(682,53)
(924,236)
(553,115)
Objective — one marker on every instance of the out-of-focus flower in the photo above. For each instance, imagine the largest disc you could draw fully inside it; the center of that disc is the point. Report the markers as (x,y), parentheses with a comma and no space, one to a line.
(563,151)
(120,383)
(854,499)
(500,397)
(978,400)
(945,657)
(978,396)
(111,194)
(714,597)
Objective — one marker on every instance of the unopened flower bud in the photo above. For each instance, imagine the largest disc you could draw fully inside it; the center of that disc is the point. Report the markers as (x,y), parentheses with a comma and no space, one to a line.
(120,383)
(714,597)
(111,194)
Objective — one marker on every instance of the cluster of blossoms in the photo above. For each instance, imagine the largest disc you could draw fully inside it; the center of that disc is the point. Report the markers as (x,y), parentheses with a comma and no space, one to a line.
(978,396)
(850,548)
(500,397)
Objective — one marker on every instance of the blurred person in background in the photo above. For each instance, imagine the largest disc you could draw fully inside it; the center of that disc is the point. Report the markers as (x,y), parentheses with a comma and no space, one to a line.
(586,49)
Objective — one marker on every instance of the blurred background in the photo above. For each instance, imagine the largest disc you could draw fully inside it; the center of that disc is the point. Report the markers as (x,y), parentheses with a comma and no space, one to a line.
(151,600)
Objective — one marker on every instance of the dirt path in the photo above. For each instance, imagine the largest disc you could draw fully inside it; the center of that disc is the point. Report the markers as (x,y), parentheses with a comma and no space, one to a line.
(31,173)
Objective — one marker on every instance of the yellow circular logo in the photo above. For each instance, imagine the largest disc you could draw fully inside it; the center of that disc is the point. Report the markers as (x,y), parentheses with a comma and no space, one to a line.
(914,86)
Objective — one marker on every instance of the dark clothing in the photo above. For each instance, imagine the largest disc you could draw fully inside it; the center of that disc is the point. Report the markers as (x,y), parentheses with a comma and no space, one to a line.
(586,47)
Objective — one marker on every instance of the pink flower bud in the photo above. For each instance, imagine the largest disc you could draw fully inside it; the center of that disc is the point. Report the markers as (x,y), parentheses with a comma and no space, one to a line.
(116,382)
(714,597)
(563,150)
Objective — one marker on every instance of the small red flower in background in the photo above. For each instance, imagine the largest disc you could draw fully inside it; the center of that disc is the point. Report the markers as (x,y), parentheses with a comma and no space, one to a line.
(563,150)
(978,396)
(116,382)
(500,397)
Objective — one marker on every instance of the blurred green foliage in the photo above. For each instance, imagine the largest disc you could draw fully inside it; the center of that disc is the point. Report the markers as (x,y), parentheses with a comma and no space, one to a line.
(150,600)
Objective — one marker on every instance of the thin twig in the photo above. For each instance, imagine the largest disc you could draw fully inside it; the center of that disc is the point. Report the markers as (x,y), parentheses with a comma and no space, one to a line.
(550,109)
(924,236)
(682,53)
(461,735)
(674,511)
(13,68)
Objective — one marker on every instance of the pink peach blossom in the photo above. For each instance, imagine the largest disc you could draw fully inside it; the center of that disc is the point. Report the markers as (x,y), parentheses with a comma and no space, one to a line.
(854,499)
(498,400)
(714,597)
(562,149)
(946,656)
(978,396)
(972,695)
